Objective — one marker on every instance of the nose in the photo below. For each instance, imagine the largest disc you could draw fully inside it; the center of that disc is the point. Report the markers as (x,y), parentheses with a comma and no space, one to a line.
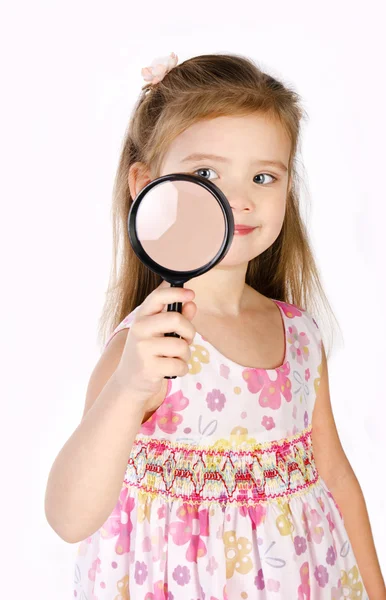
(240,202)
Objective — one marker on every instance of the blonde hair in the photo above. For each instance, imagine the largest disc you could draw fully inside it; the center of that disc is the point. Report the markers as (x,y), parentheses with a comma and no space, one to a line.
(205,87)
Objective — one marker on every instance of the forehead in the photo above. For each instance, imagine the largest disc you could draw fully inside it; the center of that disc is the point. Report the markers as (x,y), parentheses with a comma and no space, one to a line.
(235,137)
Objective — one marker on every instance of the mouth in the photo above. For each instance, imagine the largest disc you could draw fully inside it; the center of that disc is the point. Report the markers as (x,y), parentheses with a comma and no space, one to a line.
(243,230)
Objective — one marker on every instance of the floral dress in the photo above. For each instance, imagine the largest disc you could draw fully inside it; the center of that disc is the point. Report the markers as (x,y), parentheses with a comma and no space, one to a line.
(221,498)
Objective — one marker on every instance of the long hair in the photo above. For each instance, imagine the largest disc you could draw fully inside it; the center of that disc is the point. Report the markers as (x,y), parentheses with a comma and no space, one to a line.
(206,87)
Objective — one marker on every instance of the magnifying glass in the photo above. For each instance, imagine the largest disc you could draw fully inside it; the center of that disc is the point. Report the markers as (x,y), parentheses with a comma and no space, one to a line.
(180,226)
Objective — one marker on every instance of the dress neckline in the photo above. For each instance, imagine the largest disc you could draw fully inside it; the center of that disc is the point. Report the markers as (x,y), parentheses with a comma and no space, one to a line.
(237,365)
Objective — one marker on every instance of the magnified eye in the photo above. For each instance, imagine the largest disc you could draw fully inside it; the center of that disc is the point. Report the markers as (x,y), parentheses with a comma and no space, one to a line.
(200,171)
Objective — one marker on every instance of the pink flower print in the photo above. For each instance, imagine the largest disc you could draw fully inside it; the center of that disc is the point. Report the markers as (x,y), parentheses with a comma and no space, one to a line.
(160,592)
(258,380)
(311,520)
(304,589)
(161,512)
(181,575)
(321,575)
(119,523)
(259,580)
(215,400)
(307,374)
(193,525)
(212,565)
(305,419)
(140,572)
(331,556)
(300,545)
(256,514)
(166,416)
(268,422)
(298,348)
(289,310)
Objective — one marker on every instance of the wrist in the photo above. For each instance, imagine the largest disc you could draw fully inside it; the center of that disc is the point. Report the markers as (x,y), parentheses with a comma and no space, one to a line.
(133,399)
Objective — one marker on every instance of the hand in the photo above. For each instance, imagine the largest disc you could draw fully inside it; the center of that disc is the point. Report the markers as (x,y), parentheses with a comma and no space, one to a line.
(148,356)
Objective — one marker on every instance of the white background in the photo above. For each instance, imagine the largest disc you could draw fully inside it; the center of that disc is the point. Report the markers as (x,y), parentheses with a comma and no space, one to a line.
(70,77)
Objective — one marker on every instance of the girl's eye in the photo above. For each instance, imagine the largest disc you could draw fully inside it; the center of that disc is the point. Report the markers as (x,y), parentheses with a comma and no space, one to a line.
(203,170)
(265,174)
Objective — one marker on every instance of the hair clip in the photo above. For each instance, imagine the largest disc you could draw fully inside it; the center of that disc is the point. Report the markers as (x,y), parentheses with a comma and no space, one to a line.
(159,68)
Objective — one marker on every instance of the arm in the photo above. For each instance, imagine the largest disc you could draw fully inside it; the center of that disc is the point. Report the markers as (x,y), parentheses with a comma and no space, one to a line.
(86,478)
(336,471)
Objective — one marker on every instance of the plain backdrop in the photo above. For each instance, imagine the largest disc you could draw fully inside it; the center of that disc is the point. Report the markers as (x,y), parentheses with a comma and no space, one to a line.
(71,73)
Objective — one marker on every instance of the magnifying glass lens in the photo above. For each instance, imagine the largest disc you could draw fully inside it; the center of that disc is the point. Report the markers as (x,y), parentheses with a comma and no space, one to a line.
(180,225)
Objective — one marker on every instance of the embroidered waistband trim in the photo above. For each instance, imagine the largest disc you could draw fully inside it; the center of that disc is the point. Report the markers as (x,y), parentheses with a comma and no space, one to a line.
(191,474)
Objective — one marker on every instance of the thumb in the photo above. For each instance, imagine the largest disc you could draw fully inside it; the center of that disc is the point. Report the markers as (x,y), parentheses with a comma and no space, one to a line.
(189,310)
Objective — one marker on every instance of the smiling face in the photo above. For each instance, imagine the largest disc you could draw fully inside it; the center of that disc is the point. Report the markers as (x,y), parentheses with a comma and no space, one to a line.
(256,190)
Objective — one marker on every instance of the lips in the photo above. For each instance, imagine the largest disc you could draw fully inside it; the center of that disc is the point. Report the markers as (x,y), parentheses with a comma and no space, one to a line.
(243,228)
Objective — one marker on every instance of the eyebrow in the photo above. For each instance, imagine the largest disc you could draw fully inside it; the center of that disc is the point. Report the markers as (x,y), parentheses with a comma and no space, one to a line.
(199,156)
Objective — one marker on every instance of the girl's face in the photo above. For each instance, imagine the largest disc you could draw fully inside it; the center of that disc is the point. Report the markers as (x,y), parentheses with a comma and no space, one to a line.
(232,153)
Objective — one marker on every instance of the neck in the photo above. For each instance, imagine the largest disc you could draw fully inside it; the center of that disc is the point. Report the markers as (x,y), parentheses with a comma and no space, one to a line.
(222,292)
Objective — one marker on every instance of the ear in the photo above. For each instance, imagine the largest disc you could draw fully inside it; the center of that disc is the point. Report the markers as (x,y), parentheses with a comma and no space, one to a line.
(139,176)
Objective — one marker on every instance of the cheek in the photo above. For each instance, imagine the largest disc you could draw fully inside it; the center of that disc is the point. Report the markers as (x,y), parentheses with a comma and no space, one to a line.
(272,216)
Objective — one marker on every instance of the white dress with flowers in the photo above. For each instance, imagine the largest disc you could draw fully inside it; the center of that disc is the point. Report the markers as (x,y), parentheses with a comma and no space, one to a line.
(221,498)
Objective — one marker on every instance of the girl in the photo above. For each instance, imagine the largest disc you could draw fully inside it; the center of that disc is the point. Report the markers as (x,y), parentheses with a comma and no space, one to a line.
(229,481)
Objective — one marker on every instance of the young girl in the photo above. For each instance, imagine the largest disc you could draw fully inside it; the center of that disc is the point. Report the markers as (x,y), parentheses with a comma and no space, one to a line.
(229,481)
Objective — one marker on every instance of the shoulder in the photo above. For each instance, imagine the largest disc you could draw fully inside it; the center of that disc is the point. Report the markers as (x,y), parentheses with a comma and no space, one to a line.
(299,317)
(302,322)
(123,326)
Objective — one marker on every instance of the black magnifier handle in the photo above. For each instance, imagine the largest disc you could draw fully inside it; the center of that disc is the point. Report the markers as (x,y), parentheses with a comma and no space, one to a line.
(174,307)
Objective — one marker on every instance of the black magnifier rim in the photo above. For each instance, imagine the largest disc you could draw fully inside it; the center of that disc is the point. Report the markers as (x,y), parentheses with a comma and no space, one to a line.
(171,275)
